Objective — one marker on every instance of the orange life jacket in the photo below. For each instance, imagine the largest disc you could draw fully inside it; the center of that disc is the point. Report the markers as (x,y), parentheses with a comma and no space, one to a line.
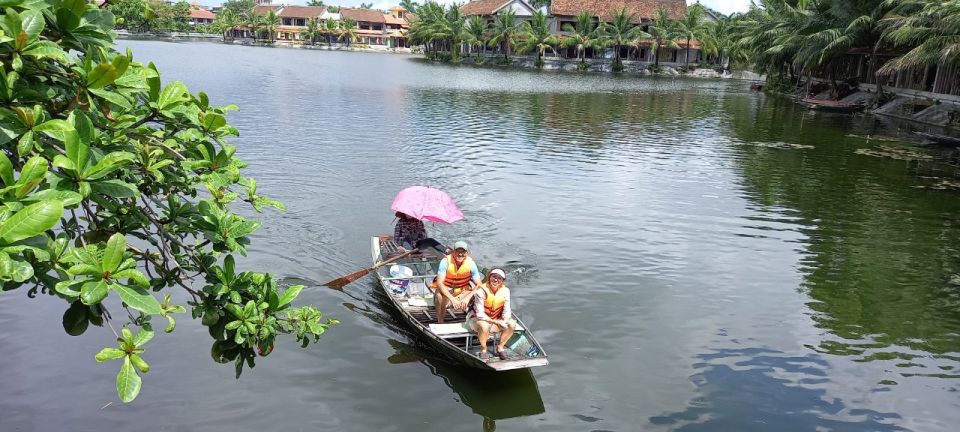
(457,278)
(493,304)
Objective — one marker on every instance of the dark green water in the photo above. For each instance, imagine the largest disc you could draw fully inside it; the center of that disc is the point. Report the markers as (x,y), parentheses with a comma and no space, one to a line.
(693,256)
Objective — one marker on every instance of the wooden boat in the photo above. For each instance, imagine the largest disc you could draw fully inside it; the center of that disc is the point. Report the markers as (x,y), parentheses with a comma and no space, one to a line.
(453,338)
(940,139)
(836,106)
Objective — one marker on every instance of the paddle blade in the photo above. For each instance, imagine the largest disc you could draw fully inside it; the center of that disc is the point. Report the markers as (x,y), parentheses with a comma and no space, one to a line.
(346,280)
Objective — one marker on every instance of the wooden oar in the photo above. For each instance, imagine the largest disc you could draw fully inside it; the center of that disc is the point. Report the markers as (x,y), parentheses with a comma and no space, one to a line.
(343,281)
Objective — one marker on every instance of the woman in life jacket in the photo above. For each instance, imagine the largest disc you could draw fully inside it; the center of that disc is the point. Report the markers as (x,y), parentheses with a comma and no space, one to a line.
(491,313)
(452,285)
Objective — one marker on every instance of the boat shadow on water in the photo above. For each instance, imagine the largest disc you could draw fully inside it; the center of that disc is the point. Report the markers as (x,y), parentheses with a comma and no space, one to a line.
(490,394)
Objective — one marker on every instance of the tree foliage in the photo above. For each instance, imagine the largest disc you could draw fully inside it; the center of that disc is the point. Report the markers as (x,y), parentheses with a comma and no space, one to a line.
(117,189)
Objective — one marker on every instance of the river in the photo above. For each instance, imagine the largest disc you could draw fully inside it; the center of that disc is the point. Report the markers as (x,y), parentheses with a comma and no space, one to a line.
(693,256)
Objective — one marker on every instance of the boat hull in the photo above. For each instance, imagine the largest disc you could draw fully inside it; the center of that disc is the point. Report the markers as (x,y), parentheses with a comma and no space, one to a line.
(452,340)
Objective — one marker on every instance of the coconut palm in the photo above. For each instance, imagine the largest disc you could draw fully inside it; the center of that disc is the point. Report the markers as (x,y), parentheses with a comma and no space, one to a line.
(270,22)
(312,31)
(930,28)
(583,35)
(253,22)
(477,32)
(348,31)
(692,27)
(504,31)
(664,32)
(331,29)
(620,32)
(423,30)
(452,28)
(717,39)
(535,35)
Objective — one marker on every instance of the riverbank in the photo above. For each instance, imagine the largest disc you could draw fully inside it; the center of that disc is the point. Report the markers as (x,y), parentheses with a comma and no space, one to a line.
(205,37)
(633,68)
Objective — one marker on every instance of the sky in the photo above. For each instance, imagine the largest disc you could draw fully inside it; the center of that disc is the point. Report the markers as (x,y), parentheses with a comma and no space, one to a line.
(725,6)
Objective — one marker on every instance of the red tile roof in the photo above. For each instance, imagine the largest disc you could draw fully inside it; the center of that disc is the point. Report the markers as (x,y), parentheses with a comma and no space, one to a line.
(483,7)
(202,14)
(644,9)
(301,11)
(391,20)
(366,15)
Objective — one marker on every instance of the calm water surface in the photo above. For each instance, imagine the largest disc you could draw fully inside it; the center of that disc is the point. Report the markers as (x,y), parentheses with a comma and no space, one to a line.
(694,256)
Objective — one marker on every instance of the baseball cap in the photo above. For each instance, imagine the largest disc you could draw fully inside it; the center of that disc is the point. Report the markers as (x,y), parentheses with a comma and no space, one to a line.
(460,245)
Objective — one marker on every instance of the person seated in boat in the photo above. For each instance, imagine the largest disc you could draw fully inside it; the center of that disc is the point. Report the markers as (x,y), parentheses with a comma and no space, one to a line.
(452,284)
(410,233)
(491,313)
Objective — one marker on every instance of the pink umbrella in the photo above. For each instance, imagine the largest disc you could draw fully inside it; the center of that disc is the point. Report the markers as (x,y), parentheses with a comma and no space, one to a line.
(427,203)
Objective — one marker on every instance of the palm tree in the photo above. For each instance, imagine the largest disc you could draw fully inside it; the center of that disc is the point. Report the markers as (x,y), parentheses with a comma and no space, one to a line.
(410,5)
(535,35)
(331,29)
(664,33)
(717,39)
(312,31)
(582,35)
(477,32)
(620,32)
(504,32)
(692,27)
(930,28)
(348,31)
(453,29)
(253,22)
(270,23)
(423,31)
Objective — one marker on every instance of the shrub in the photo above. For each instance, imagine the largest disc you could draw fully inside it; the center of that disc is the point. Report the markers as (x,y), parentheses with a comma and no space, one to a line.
(116,189)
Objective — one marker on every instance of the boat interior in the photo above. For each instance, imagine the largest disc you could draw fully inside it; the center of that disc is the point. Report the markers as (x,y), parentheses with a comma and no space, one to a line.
(409,288)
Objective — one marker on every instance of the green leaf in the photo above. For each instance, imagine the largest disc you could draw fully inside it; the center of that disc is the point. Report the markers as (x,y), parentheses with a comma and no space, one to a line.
(108,164)
(213,121)
(138,298)
(233,325)
(101,75)
(68,198)
(113,253)
(67,288)
(139,363)
(133,276)
(25,144)
(128,382)
(6,170)
(30,221)
(112,97)
(172,95)
(41,49)
(61,161)
(56,129)
(171,324)
(108,354)
(14,270)
(153,82)
(85,269)
(93,292)
(143,336)
(32,23)
(34,169)
(115,188)
(289,295)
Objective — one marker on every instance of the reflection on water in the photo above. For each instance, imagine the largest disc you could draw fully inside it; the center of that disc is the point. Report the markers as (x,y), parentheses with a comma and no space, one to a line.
(491,395)
(799,398)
